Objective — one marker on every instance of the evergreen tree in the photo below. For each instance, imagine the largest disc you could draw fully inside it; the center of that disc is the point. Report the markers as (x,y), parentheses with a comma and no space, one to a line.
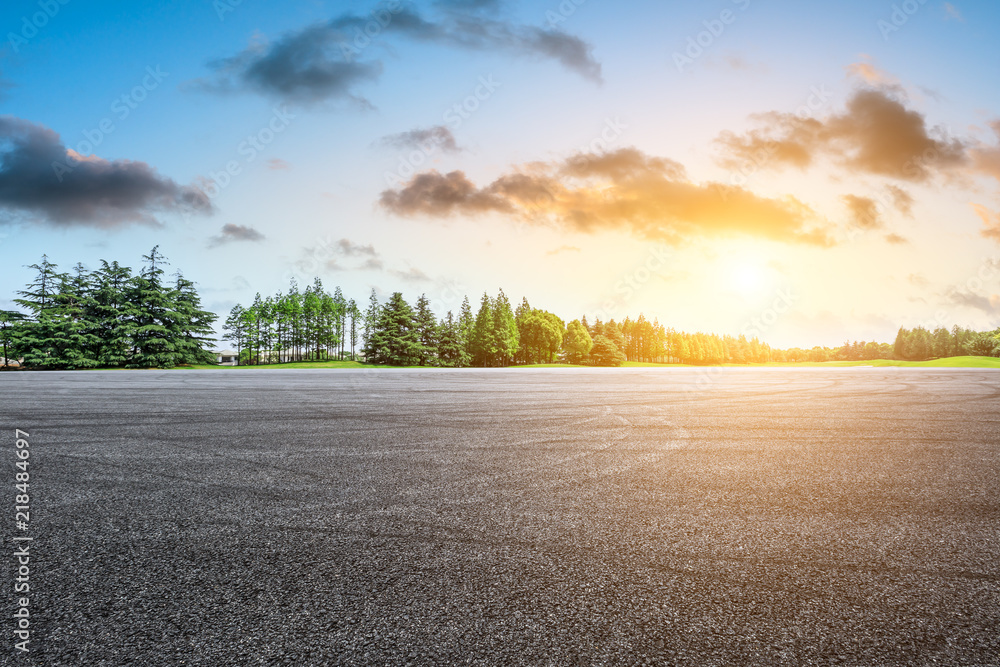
(235,330)
(605,352)
(899,347)
(339,321)
(505,334)
(41,291)
(614,333)
(426,325)
(466,327)
(58,335)
(154,335)
(355,314)
(113,313)
(482,345)
(450,351)
(192,324)
(371,319)
(9,321)
(396,335)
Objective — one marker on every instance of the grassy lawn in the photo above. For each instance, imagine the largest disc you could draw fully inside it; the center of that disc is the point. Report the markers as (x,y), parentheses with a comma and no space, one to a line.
(951,362)
(294,364)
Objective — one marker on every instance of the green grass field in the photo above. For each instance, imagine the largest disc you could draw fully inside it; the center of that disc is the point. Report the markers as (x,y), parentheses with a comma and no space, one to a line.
(295,364)
(950,362)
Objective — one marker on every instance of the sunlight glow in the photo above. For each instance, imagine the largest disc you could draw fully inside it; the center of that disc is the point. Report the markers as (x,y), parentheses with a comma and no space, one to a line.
(746,278)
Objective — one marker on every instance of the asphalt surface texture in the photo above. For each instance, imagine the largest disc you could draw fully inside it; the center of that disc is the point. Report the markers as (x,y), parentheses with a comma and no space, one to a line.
(505,517)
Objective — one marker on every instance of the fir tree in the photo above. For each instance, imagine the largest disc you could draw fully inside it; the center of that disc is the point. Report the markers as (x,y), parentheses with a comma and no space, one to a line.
(192,324)
(427,330)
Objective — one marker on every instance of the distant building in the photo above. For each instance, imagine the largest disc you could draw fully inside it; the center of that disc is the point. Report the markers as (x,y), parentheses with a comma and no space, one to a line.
(226,357)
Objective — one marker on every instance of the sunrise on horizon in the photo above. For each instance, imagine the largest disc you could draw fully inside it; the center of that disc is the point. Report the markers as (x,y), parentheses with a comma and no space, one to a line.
(453,148)
(502,332)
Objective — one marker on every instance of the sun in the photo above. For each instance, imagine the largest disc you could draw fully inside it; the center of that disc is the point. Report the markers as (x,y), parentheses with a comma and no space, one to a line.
(746,278)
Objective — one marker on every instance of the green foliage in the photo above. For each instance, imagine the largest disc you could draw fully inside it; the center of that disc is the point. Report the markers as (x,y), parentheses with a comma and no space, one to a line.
(540,335)
(450,348)
(109,318)
(427,332)
(919,344)
(482,346)
(113,318)
(605,352)
(396,334)
(985,345)
(506,339)
(9,320)
(577,343)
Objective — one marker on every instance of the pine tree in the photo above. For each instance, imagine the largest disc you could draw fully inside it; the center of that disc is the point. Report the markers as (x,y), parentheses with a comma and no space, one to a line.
(450,351)
(58,334)
(234,330)
(505,335)
(395,334)
(482,343)
(605,352)
(114,313)
(426,325)
(355,314)
(371,318)
(192,324)
(339,321)
(9,321)
(899,347)
(466,327)
(154,338)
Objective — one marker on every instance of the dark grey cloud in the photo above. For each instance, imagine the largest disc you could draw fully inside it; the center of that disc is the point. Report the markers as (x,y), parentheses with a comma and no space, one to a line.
(306,67)
(41,179)
(231,233)
(438,136)
(324,61)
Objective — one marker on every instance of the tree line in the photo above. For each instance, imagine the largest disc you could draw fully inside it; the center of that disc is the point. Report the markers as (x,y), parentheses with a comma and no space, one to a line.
(112,318)
(108,318)
(314,325)
(299,325)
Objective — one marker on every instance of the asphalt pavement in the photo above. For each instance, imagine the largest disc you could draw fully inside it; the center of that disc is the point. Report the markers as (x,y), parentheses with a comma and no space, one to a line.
(502,517)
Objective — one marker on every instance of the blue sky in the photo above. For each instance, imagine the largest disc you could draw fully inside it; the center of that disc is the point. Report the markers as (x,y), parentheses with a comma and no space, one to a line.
(845,98)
